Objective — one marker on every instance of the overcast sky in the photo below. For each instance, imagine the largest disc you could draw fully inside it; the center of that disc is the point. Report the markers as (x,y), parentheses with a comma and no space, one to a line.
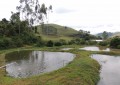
(90,15)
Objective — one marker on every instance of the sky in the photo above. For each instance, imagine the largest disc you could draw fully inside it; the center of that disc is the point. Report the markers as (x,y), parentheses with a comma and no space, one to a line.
(90,15)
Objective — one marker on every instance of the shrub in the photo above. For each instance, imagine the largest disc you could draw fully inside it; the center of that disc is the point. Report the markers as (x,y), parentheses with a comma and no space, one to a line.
(29,38)
(50,43)
(92,42)
(17,41)
(71,42)
(40,42)
(58,44)
(82,42)
(63,42)
(6,43)
(103,43)
(118,46)
(115,42)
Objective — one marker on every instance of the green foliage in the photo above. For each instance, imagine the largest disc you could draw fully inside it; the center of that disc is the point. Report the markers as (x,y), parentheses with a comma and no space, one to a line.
(6,43)
(50,43)
(103,43)
(58,44)
(77,41)
(105,35)
(115,42)
(63,42)
(40,42)
(91,42)
(18,42)
(29,38)
(118,46)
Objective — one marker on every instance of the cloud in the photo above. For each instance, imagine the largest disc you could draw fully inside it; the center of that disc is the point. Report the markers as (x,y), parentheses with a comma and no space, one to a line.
(63,10)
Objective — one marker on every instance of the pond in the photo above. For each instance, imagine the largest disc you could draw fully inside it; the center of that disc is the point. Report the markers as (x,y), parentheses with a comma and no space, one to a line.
(66,49)
(22,64)
(110,72)
(95,48)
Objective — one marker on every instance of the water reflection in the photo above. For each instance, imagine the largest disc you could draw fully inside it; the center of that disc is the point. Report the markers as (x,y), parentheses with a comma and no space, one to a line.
(95,48)
(110,72)
(28,63)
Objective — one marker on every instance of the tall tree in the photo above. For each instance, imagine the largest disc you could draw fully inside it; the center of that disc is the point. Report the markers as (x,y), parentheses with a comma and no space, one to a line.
(32,11)
(15,18)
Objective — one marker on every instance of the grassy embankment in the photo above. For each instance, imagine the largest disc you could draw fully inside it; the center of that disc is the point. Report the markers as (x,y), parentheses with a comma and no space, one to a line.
(81,71)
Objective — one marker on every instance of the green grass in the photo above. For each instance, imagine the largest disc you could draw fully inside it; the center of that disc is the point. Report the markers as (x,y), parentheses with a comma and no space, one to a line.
(62,33)
(55,38)
(81,71)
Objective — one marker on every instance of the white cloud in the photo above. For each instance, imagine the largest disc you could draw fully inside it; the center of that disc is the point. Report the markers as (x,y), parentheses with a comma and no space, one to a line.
(92,15)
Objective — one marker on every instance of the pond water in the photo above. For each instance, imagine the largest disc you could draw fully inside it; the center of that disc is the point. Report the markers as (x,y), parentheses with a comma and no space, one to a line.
(95,48)
(110,69)
(23,64)
(66,49)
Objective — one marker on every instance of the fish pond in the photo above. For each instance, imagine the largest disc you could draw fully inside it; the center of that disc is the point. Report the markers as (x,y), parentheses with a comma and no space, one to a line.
(110,69)
(22,64)
(95,48)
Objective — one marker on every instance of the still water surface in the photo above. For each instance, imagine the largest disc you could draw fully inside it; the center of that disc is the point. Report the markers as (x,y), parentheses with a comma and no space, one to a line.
(110,69)
(66,49)
(95,48)
(23,64)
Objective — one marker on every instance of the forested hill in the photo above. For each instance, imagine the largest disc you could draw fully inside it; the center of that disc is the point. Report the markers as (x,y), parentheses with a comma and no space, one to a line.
(54,29)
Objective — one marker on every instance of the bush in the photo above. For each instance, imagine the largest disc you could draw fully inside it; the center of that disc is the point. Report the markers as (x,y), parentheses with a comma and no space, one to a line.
(91,43)
(40,43)
(58,44)
(50,43)
(82,42)
(17,41)
(118,46)
(103,43)
(115,42)
(63,42)
(6,43)
(2,44)
(29,38)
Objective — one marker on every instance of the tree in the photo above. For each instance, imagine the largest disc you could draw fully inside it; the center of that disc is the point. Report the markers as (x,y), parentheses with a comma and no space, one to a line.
(32,11)
(105,35)
(15,18)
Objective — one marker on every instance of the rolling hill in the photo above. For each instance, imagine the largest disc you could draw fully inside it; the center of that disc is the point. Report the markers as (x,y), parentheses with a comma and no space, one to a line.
(116,34)
(59,32)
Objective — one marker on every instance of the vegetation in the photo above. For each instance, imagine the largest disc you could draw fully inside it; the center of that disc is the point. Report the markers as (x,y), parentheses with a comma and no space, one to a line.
(100,35)
(105,35)
(104,43)
(115,42)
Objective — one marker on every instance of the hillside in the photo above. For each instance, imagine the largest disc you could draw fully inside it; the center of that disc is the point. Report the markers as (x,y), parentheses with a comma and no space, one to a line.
(59,32)
(116,34)
(109,34)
